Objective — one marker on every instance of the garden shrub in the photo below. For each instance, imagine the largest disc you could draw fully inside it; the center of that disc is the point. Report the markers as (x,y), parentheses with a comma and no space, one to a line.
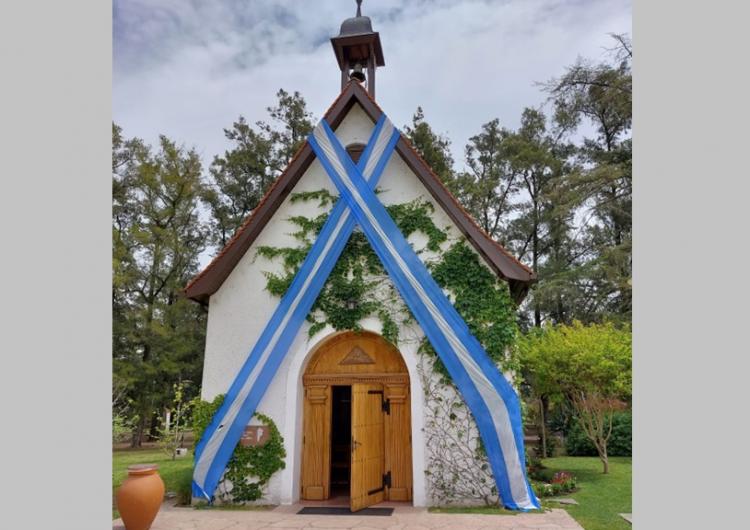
(122,428)
(620,442)
(561,417)
(548,483)
(533,462)
(184,489)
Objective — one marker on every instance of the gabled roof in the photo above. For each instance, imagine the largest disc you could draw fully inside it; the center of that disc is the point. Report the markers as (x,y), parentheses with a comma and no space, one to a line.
(518,275)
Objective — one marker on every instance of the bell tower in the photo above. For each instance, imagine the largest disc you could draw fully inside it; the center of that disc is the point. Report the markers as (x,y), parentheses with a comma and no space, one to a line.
(358,50)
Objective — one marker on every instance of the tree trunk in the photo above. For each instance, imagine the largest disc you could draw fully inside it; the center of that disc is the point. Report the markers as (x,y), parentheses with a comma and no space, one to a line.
(137,439)
(143,408)
(535,265)
(153,431)
(543,402)
(144,414)
(605,460)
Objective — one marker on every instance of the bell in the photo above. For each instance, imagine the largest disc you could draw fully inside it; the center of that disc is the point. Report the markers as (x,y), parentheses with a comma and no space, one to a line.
(357,73)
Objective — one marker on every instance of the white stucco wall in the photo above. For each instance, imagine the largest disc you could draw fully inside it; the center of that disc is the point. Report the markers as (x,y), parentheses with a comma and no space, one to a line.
(239,310)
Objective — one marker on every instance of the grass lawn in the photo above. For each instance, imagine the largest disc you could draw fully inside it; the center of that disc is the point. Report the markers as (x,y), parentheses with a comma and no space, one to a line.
(174,473)
(601,497)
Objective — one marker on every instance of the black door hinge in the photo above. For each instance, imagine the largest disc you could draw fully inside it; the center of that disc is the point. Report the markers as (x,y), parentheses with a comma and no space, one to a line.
(386,484)
(385,403)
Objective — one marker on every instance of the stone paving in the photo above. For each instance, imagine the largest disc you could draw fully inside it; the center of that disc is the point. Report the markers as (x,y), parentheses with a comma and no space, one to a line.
(403,518)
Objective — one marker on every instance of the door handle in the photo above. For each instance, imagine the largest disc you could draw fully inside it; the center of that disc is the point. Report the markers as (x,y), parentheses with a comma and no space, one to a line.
(355,444)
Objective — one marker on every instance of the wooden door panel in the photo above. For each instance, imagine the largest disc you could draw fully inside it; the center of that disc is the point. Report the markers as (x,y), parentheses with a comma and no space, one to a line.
(368,446)
(398,442)
(316,443)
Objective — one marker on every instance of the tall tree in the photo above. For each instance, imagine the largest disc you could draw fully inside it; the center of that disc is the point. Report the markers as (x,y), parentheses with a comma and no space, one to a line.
(239,179)
(539,160)
(158,236)
(432,147)
(489,186)
(125,154)
(601,94)
(291,124)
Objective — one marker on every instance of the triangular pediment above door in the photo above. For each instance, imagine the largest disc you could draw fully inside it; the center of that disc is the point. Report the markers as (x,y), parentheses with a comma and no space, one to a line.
(357,356)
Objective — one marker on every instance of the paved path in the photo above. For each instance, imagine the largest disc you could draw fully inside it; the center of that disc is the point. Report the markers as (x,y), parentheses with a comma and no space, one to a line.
(403,518)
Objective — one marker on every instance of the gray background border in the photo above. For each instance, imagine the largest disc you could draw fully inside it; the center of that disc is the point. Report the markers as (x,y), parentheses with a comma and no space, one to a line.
(691,115)
(690,260)
(55,143)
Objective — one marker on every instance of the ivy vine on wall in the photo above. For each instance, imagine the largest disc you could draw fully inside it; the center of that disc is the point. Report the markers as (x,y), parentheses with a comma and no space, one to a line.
(482,300)
(457,470)
(250,468)
(358,286)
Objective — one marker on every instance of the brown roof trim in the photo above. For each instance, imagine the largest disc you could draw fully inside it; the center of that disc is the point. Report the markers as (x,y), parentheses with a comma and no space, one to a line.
(500,260)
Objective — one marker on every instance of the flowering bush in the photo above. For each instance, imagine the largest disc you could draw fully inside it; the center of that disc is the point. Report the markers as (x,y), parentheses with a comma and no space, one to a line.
(548,484)
(562,477)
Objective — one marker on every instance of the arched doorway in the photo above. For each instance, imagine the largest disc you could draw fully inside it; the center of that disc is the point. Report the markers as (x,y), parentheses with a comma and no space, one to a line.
(356,421)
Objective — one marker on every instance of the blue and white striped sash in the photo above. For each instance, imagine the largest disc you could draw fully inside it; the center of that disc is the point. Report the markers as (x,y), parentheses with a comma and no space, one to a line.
(492,401)
(225,430)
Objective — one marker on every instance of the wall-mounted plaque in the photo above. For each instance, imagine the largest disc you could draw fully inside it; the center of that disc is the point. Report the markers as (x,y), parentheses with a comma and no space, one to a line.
(255,435)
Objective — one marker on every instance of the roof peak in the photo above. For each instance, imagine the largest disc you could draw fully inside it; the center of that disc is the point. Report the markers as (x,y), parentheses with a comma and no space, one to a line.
(208,281)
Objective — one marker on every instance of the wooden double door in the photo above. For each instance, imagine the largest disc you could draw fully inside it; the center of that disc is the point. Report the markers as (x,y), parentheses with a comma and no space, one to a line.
(356,426)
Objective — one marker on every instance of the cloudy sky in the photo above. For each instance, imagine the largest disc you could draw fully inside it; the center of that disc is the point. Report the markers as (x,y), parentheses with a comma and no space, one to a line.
(188,68)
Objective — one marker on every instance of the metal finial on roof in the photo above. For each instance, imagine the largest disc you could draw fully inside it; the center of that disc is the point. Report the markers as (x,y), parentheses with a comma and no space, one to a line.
(357,25)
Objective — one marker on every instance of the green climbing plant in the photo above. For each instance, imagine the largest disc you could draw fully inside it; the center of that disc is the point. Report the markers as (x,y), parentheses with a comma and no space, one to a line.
(250,468)
(482,300)
(358,286)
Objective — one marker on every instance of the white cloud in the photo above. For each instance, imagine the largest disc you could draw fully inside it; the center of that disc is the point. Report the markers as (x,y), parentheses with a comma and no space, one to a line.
(188,69)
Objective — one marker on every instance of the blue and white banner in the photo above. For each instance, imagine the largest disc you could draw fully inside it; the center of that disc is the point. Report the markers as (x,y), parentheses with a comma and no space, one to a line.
(491,399)
(217,444)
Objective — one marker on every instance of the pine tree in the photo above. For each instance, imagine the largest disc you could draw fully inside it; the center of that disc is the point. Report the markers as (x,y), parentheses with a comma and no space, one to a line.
(539,232)
(432,147)
(239,179)
(489,187)
(602,95)
(158,236)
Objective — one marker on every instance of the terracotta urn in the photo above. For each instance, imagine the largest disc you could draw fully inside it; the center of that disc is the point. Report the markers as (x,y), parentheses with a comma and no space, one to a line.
(140,496)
